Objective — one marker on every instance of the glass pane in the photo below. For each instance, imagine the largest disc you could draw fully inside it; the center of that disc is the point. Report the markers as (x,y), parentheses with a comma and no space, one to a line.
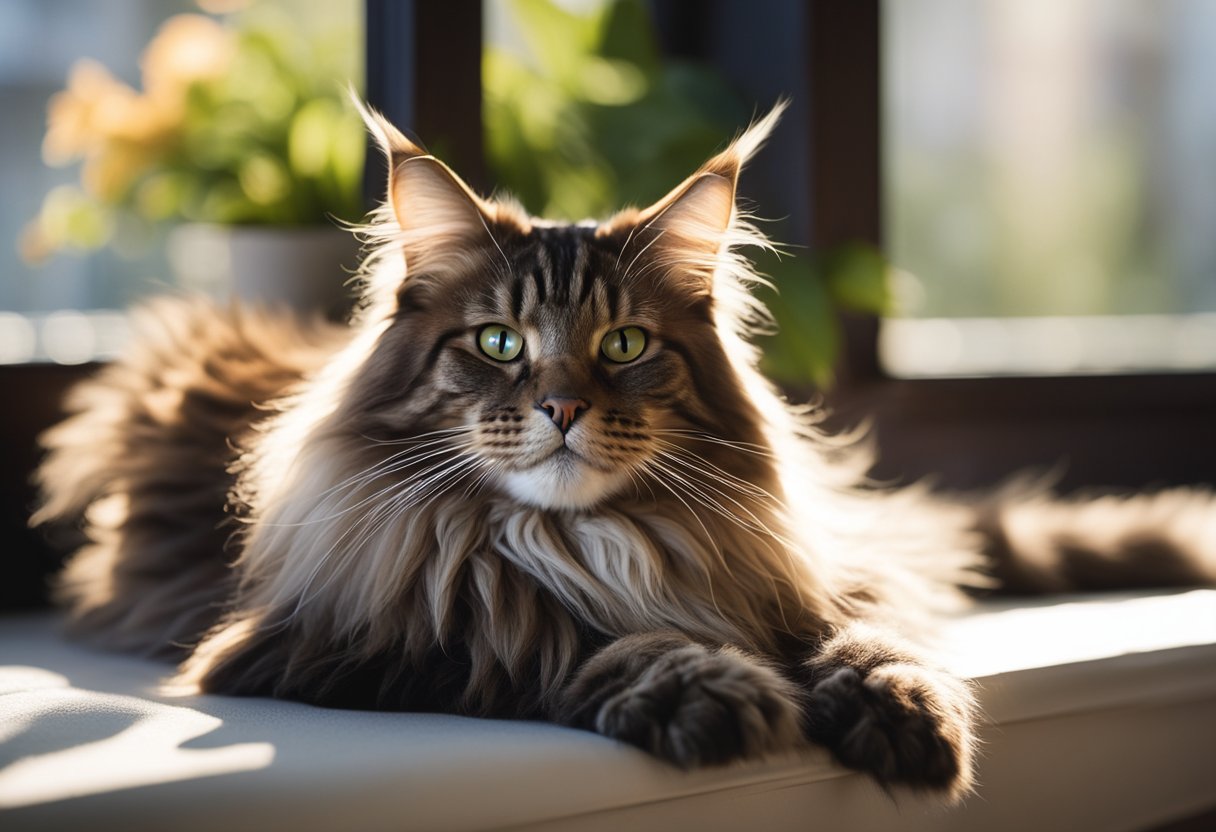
(1051,160)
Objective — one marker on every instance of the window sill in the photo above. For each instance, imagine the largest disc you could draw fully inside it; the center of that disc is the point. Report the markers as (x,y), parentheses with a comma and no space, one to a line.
(1099,711)
(1048,346)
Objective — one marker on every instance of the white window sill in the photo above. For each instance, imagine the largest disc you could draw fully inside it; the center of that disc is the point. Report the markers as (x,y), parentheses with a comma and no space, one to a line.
(1047,346)
(1101,714)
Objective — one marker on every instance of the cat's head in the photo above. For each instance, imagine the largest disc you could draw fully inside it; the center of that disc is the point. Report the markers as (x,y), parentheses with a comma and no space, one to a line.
(561,363)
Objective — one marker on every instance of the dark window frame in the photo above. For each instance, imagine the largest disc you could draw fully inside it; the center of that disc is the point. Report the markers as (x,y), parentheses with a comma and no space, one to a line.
(424,74)
(1117,431)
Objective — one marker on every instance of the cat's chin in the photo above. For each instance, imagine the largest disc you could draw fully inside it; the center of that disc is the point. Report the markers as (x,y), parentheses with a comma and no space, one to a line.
(563,481)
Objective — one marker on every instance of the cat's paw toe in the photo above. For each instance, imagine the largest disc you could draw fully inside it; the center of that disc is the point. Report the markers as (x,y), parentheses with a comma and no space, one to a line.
(903,724)
(695,707)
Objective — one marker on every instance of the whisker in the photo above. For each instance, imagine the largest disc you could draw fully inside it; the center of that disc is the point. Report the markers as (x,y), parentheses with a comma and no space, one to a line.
(409,496)
(491,467)
(369,474)
(403,485)
(759,527)
(786,547)
(625,247)
(713,472)
(746,447)
(416,437)
(713,544)
(486,226)
(690,459)
(638,479)
(386,461)
(781,550)
(412,493)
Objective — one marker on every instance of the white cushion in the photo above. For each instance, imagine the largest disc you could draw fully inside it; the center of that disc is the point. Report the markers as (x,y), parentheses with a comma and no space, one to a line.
(1101,715)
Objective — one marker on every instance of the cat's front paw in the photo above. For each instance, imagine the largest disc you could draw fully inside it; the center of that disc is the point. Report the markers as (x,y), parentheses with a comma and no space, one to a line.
(693,707)
(902,723)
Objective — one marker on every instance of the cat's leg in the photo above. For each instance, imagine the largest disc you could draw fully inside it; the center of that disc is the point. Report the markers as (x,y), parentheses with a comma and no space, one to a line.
(686,703)
(881,708)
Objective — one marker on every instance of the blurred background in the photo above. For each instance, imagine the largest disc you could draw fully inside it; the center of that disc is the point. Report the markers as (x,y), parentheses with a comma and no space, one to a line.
(998,214)
(1051,162)
(1046,202)
(127,118)
(1062,149)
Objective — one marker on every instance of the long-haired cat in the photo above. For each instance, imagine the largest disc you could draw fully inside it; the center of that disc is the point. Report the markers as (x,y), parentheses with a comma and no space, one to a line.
(538,475)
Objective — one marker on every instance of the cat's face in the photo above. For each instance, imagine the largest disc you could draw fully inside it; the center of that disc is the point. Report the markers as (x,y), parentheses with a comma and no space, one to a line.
(566,360)
(564,363)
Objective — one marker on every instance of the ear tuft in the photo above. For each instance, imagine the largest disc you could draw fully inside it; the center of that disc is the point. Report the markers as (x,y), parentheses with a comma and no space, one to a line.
(392,142)
(747,143)
(695,218)
(439,220)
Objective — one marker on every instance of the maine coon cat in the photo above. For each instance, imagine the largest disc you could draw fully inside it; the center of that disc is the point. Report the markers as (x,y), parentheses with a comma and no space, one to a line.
(538,475)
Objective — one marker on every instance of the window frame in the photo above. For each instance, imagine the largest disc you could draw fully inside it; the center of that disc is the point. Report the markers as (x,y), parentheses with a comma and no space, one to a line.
(424,74)
(1122,431)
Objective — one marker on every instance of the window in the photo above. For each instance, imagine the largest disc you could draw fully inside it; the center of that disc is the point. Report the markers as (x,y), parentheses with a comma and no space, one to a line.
(1047,186)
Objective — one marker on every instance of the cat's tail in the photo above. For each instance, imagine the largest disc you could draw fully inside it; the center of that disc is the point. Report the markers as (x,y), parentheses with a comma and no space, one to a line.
(141,464)
(1037,542)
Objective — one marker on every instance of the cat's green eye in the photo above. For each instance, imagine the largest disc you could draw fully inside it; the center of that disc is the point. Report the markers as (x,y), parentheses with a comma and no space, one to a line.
(623,345)
(500,342)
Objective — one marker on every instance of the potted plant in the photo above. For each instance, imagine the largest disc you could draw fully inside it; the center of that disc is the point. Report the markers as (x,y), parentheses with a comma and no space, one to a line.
(240,142)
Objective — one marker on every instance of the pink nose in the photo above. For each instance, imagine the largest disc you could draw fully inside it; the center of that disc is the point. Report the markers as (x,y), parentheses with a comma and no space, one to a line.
(563,410)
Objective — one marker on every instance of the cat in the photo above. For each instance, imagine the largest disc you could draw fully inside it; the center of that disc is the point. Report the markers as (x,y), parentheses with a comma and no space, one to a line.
(538,475)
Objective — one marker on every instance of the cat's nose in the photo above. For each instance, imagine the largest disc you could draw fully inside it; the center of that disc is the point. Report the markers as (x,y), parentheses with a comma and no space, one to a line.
(563,410)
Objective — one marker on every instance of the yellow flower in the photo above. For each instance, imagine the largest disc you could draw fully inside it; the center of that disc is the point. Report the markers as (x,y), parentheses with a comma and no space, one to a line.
(188,48)
(73,127)
(69,218)
(109,174)
(135,119)
(118,131)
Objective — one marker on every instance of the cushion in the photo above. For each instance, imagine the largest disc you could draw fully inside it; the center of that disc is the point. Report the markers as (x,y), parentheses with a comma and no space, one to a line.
(1100,713)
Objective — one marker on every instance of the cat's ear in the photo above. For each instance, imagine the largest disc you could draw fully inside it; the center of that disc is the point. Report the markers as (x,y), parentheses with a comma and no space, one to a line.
(691,225)
(439,217)
(695,217)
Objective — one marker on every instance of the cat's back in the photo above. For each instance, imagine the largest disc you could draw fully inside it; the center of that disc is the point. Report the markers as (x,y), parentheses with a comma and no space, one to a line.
(144,456)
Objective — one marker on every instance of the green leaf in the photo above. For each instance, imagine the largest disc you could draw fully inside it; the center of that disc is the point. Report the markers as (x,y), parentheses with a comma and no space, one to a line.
(858,278)
(70,218)
(310,136)
(557,39)
(264,179)
(627,35)
(346,156)
(610,82)
(805,347)
(162,195)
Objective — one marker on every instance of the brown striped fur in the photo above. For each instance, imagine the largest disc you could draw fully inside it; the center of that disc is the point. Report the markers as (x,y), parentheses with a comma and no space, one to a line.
(143,458)
(689,565)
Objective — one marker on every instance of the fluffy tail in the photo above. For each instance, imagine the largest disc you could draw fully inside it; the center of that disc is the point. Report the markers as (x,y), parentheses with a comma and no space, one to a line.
(143,459)
(1039,543)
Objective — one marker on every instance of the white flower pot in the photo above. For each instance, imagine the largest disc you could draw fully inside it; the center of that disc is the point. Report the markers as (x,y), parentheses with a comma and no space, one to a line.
(305,268)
